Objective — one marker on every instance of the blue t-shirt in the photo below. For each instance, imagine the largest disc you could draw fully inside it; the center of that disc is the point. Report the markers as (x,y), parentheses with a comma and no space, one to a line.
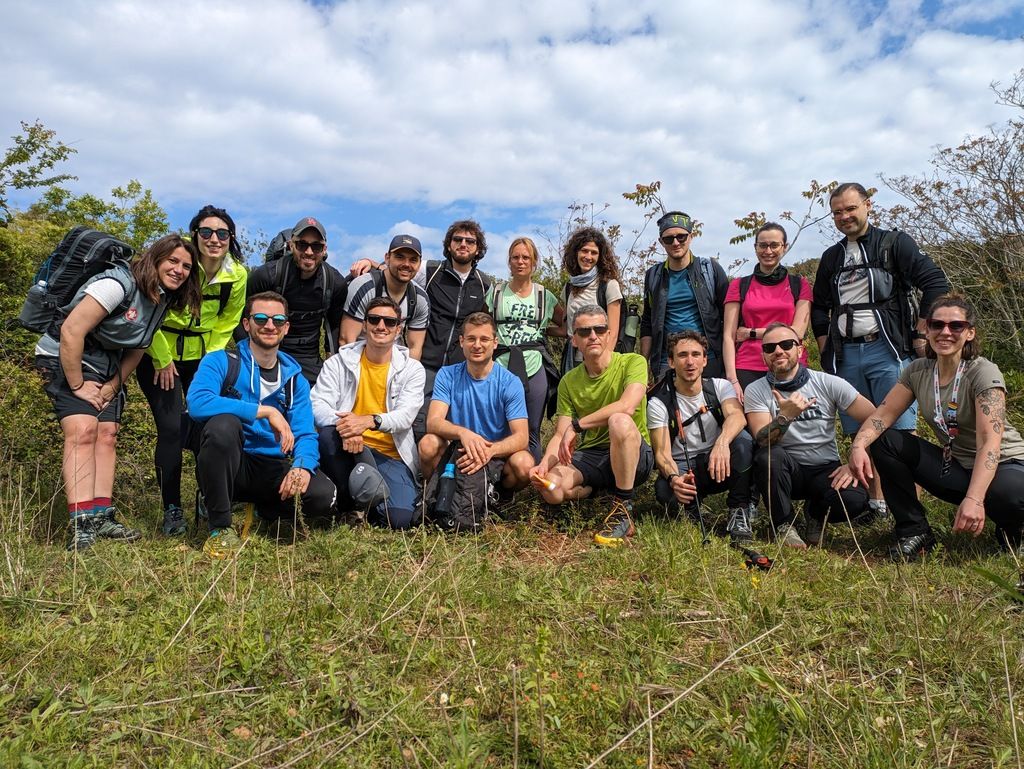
(485,406)
(681,312)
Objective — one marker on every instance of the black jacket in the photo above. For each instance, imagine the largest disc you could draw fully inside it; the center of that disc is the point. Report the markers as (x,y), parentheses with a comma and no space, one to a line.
(911,269)
(709,283)
(451,300)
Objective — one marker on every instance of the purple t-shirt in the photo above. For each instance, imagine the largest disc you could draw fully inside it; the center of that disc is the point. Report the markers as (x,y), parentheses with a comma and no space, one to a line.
(763,305)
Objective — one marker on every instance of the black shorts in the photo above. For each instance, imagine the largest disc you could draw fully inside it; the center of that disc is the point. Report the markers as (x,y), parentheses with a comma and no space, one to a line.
(66,403)
(595,464)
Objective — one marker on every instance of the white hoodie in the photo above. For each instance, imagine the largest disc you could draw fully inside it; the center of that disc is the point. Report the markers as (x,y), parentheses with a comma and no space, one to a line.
(335,390)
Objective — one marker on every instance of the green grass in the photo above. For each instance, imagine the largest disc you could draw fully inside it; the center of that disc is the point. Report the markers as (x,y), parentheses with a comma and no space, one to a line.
(524,647)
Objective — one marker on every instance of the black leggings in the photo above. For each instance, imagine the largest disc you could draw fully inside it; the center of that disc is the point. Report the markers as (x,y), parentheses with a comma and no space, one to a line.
(173,424)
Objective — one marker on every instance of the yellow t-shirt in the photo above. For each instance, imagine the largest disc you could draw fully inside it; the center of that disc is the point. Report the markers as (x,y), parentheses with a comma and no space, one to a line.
(371,398)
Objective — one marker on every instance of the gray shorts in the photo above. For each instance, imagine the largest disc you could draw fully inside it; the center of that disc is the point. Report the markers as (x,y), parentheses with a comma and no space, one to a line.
(595,464)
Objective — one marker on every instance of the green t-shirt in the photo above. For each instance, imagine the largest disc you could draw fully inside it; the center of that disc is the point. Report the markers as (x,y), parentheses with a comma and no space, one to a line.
(580,394)
(518,323)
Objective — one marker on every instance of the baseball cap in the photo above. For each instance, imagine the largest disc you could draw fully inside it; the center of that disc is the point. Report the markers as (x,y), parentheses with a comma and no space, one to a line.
(675,219)
(406,241)
(305,223)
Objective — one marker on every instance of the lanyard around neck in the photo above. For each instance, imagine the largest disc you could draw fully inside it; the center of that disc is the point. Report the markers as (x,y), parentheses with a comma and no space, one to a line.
(947,422)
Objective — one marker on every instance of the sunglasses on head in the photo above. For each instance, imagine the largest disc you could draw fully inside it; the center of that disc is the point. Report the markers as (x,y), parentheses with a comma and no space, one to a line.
(785,344)
(208,232)
(261,319)
(387,320)
(302,246)
(584,331)
(956,327)
(668,240)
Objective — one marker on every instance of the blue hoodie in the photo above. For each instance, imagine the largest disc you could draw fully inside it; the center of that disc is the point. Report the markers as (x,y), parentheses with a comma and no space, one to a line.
(205,401)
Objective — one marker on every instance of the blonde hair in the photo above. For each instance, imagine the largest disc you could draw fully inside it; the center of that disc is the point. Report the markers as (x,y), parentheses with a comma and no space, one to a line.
(530,246)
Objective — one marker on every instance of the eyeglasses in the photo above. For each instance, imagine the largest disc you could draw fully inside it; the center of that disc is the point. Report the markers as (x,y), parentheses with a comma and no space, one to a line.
(208,232)
(463,239)
(387,320)
(302,246)
(956,327)
(584,331)
(668,240)
(261,319)
(773,246)
(785,344)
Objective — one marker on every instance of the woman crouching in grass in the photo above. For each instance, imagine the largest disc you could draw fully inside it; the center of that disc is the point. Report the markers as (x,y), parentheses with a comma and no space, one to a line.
(979,464)
(86,356)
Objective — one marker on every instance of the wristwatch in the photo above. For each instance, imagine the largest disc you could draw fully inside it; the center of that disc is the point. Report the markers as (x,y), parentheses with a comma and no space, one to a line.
(782,420)
(753,333)
(576,426)
(376,421)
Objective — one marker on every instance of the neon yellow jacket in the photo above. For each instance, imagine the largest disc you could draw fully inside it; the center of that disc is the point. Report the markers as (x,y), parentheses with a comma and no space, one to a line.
(182,337)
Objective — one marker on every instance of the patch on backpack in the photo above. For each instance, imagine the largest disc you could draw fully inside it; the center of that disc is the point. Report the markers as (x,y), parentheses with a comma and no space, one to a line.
(132,314)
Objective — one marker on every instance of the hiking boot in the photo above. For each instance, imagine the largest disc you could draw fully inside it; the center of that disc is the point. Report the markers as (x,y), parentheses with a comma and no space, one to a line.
(739,525)
(814,531)
(877,512)
(692,511)
(108,527)
(912,548)
(174,521)
(82,533)
(790,537)
(222,543)
(617,525)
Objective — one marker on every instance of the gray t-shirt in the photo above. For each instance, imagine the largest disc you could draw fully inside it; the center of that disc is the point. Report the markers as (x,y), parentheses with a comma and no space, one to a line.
(657,416)
(361,291)
(980,374)
(812,437)
(855,288)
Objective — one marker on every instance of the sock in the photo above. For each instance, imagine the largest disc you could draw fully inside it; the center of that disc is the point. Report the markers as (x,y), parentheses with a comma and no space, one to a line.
(626,495)
(100,504)
(78,509)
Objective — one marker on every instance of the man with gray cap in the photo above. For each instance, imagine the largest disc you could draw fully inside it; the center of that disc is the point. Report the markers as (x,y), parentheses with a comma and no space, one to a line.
(683,292)
(401,263)
(296,267)
(364,404)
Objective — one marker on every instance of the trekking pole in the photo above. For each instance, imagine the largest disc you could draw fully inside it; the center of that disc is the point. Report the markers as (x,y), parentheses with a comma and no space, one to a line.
(705,539)
(754,558)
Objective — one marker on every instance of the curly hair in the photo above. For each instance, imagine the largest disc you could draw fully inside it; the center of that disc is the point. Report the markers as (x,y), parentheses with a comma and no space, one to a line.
(144,270)
(972,347)
(205,213)
(686,335)
(607,266)
(467,225)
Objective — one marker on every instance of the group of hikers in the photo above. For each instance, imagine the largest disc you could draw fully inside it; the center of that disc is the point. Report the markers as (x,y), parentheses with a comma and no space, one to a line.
(411,390)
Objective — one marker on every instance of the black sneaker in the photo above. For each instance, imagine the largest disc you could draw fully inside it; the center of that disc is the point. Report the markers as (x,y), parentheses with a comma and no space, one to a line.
(82,533)
(174,521)
(108,527)
(912,548)
(814,530)
(618,526)
(738,526)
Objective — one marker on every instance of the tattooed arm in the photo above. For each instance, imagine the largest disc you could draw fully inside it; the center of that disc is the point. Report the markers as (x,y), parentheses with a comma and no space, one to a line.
(990,416)
(874,422)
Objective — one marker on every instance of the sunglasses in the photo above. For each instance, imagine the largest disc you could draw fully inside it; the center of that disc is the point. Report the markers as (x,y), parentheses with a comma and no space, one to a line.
(261,319)
(668,240)
(463,239)
(584,331)
(208,232)
(785,344)
(387,320)
(956,327)
(302,246)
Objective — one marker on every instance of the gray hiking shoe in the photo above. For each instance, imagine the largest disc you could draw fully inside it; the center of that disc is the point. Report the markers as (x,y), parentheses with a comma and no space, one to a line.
(174,521)
(739,525)
(108,527)
(82,533)
(790,537)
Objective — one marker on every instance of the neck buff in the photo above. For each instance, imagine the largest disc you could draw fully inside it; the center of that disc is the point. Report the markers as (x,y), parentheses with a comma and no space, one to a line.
(802,377)
(773,278)
(579,281)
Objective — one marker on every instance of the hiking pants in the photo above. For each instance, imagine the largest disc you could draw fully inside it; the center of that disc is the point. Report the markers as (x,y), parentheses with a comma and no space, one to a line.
(782,478)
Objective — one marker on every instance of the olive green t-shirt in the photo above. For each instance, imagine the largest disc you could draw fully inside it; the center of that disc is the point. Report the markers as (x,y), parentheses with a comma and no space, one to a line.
(580,394)
(979,375)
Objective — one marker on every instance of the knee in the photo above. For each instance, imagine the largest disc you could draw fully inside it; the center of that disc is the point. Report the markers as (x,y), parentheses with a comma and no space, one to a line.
(519,466)
(328,439)
(430,447)
(741,450)
(621,427)
(222,432)
(321,496)
(82,434)
(106,435)
(662,491)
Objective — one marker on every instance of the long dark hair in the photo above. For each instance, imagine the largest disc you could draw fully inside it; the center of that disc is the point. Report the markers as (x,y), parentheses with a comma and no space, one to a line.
(607,267)
(972,347)
(188,294)
(209,210)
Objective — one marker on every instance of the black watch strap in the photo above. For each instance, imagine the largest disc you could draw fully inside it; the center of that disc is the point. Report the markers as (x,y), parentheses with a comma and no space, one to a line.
(576,426)
(376,421)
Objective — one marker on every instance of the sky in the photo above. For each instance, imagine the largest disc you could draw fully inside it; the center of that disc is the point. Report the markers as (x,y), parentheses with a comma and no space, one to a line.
(383,117)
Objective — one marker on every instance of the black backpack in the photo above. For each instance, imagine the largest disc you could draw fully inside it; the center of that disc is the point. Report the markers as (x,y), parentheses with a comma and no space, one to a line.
(629,316)
(228,389)
(411,295)
(474,497)
(665,391)
(81,255)
(903,295)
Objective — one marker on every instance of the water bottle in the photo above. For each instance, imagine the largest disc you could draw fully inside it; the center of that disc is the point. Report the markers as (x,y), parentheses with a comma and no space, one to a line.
(445,491)
(35,315)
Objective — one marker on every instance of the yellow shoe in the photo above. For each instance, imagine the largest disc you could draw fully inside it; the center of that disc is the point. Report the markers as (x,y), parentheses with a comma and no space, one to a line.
(222,543)
(618,526)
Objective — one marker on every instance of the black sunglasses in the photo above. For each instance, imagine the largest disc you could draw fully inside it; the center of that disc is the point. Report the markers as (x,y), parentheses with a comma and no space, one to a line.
(261,319)
(302,246)
(584,331)
(785,344)
(956,327)
(387,320)
(463,239)
(668,240)
(208,232)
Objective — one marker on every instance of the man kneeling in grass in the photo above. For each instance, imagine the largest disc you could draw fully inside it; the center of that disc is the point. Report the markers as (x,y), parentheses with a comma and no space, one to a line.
(601,436)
